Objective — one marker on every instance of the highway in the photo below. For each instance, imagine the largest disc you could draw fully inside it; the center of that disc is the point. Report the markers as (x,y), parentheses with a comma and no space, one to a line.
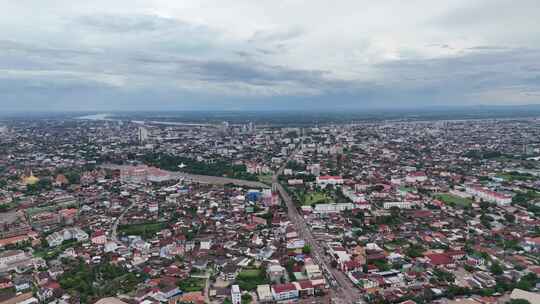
(342,286)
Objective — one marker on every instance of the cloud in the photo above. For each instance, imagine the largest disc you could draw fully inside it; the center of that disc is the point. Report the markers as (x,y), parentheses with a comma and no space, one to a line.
(278,36)
(243,52)
(48,78)
(129,23)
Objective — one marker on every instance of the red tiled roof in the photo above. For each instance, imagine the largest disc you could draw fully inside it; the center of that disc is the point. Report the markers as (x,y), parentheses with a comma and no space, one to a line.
(439,259)
(327,177)
(305,284)
(279,288)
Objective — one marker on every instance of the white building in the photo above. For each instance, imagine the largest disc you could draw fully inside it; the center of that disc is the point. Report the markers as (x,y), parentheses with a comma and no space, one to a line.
(460,193)
(10,256)
(264,293)
(144,134)
(282,292)
(313,271)
(153,207)
(315,169)
(236,295)
(56,238)
(293,182)
(333,208)
(490,196)
(355,197)
(400,205)
(363,206)
(416,177)
(325,180)
(110,246)
(296,244)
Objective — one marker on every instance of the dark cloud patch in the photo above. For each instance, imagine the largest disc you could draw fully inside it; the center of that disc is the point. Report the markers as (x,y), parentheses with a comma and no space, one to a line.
(455,79)
(406,82)
(225,71)
(277,36)
(250,72)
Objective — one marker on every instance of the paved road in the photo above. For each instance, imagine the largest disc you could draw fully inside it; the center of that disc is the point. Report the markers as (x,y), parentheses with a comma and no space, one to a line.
(344,288)
(114,229)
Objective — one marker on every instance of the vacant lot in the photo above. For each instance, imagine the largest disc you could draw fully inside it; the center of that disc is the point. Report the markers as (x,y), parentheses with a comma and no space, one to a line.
(248,279)
(316,198)
(265,178)
(454,200)
(146,231)
(192,284)
(516,176)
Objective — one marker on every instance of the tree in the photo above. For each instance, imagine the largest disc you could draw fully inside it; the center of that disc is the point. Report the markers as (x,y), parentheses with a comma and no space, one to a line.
(306,249)
(510,217)
(527,282)
(73,177)
(468,268)
(394,211)
(246,298)
(365,268)
(414,251)
(496,268)
(484,205)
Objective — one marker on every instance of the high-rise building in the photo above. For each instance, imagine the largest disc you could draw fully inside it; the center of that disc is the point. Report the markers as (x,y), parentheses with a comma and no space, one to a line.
(144,135)
(224,127)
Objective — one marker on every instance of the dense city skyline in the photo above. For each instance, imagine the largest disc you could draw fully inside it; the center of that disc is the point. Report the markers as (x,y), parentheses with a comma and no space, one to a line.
(171,55)
(144,208)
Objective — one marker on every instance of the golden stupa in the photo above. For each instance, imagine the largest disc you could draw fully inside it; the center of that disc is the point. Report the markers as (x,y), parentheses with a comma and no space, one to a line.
(29,179)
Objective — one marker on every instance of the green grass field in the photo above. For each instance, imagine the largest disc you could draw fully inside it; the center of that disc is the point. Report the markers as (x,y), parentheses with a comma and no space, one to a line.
(248,279)
(454,200)
(515,176)
(146,231)
(49,253)
(316,198)
(250,273)
(192,284)
(265,178)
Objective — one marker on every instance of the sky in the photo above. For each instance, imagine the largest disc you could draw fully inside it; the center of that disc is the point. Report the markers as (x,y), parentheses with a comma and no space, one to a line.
(102,55)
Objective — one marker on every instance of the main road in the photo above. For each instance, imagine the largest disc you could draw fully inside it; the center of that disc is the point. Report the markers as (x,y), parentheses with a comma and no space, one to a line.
(114,228)
(343,287)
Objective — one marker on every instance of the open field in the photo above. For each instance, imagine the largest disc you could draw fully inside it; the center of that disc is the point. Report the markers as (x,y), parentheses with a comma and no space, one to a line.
(316,198)
(515,176)
(192,284)
(454,200)
(143,230)
(248,279)
(265,178)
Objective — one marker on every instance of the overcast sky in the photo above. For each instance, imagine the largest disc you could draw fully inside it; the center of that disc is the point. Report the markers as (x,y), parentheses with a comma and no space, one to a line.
(267,54)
